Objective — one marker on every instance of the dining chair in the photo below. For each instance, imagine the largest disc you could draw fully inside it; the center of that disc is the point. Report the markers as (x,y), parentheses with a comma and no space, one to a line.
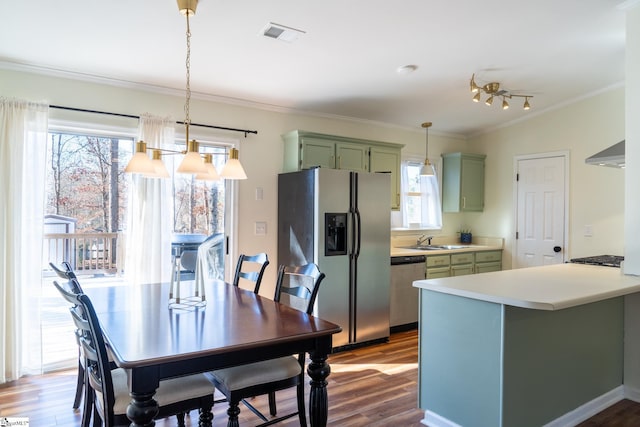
(253,272)
(66,272)
(237,383)
(110,390)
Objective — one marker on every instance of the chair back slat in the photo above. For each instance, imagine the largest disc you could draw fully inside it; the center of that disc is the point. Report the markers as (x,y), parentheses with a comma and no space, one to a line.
(302,282)
(66,272)
(261,262)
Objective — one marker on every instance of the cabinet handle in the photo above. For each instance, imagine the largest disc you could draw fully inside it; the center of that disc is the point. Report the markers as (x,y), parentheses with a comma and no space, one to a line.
(464,202)
(333,160)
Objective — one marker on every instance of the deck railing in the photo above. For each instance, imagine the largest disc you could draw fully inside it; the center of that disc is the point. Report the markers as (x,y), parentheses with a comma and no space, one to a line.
(87,252)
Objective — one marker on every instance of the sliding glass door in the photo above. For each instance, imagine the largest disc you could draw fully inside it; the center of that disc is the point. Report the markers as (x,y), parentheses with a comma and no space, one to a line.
(86,219)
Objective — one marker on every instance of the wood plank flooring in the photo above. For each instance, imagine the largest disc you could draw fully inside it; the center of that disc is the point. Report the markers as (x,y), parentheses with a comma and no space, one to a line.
(372,386)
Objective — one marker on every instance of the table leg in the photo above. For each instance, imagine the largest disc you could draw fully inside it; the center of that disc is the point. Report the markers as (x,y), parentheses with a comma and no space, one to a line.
(318,371)
(142,409)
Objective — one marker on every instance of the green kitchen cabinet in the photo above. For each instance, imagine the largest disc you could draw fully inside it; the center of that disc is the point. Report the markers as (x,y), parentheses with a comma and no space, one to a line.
(463,182)
(306,150)
(387,160)
(488,261)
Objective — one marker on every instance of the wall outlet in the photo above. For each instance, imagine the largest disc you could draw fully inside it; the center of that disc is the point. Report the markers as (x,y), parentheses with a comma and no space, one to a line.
(261,228)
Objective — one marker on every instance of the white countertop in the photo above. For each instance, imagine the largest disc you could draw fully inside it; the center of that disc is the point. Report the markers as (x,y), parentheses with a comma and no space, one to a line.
(396,251)
(551,287)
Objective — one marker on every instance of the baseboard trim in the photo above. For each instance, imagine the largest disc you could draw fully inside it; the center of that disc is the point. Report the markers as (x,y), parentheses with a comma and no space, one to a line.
(571,418)
(432,419)
(632,393)
(589,409)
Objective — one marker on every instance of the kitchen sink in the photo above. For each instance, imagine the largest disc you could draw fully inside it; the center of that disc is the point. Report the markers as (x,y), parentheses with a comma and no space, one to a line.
(434,247)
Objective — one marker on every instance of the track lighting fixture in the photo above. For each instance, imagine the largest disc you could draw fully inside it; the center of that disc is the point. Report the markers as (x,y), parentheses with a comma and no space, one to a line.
(493,89)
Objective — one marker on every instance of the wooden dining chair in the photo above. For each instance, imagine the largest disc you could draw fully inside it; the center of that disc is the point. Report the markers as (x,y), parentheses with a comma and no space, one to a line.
(110,390)
(253,272)
(238,383)
(72,285)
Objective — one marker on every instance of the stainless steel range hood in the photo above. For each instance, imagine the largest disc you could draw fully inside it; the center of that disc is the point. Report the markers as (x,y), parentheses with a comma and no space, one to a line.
(612,156)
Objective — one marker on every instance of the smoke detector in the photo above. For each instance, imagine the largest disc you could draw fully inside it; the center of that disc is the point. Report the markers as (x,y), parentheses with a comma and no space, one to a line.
(281,32)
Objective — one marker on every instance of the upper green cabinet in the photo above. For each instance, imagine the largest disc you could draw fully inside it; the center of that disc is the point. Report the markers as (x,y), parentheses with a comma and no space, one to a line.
(306,150)
(463,182)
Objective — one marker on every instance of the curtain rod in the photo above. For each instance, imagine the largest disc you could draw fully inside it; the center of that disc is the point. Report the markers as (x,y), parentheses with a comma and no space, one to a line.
(130,116)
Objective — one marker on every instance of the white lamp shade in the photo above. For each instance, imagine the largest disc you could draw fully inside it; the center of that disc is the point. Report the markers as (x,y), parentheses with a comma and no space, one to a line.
(233,170)
(140,163)
(427,169)
(192,163)
(210,175)
(160,170)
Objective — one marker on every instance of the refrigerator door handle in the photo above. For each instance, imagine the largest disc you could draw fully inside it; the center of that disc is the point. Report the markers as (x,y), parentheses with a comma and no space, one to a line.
(358,238)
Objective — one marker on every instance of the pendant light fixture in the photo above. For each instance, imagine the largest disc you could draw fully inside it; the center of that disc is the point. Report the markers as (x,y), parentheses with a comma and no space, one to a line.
(193,162)
(427,167)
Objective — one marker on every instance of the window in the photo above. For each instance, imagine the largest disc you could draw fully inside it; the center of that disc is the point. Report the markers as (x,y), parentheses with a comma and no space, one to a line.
(421,206)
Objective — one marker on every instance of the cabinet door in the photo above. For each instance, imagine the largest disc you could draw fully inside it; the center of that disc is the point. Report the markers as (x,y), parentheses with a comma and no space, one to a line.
(486,267)
(317,153)
(387,160)
(472,184)
(352,157)
(437,273)
(463,182)
(461,269)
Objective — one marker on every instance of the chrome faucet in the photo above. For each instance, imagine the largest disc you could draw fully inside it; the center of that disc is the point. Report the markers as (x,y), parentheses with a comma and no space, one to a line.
(422,239)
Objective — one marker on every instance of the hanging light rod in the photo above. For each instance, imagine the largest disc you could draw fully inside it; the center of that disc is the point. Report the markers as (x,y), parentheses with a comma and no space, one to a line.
(131,116)
(493,90)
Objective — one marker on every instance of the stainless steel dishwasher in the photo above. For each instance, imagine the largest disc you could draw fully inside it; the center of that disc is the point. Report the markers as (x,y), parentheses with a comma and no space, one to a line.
(403,308)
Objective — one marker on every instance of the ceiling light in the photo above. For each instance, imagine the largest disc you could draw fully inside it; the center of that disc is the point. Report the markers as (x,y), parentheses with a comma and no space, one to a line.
(140,162)
(493,89)
(160,171)
(192,163)
(233,169)
(427,167)
(212,173)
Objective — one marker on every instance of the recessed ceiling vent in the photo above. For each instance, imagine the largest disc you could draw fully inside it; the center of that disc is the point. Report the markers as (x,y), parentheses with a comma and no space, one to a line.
(280,32)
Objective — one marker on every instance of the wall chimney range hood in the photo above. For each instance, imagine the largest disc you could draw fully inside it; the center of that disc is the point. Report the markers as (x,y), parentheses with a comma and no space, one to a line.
(611,157)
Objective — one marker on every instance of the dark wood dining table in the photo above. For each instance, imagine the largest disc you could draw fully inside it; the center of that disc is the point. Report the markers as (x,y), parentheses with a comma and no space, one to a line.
(235,327)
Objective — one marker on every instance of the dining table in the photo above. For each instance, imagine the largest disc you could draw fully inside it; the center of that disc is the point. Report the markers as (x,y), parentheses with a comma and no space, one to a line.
(153,340)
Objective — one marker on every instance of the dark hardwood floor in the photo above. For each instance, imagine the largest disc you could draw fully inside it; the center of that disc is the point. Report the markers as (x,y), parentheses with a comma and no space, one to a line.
(368,386)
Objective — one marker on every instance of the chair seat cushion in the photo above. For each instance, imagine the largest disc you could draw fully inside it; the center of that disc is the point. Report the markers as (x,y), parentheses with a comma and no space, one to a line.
(170,391)
(243,376)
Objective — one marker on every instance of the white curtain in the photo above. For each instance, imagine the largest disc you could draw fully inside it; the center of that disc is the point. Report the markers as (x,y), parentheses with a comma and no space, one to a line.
(430,205)
(23,148)
(150,214)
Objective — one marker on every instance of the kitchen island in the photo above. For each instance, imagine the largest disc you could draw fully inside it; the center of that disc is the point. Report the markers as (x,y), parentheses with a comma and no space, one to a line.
(527,347)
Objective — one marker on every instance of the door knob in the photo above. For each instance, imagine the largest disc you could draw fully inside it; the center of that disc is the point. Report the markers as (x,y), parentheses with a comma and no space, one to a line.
(557,249)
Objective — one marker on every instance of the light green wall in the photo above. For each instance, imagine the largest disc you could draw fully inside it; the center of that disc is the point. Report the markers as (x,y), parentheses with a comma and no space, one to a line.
(583,128)
(261,154)
(596,194)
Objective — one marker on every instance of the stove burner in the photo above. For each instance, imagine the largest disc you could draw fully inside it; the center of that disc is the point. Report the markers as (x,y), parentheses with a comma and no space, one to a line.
(605,260)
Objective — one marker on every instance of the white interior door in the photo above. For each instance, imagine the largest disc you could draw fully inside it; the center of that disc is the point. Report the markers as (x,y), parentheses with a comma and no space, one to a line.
(541,210)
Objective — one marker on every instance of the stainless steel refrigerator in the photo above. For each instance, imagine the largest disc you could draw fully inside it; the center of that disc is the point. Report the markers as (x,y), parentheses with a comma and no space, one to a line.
(341,221)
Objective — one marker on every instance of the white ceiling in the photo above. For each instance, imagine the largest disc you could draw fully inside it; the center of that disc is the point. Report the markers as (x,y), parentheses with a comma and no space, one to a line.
(345,63)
